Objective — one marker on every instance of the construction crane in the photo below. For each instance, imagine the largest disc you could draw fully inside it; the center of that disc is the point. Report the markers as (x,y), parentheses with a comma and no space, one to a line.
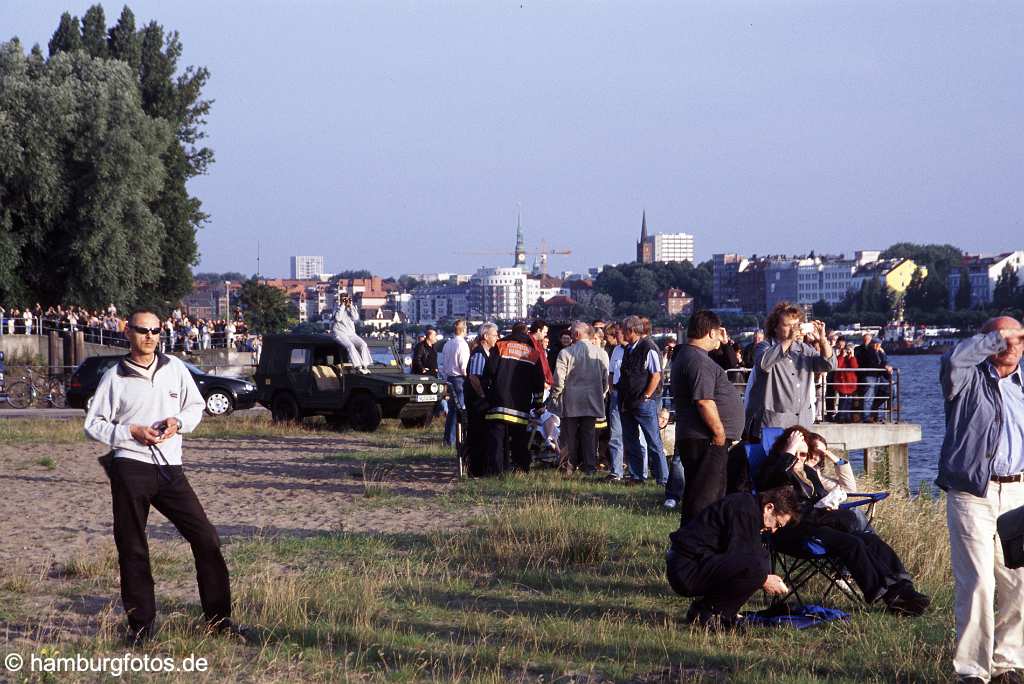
(541,253)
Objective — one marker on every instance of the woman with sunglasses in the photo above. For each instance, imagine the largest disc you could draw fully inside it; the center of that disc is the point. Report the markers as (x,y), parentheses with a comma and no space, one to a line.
(873,564)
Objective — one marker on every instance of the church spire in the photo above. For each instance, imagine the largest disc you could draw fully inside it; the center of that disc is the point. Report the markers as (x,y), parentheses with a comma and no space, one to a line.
(520,243)
(643,228)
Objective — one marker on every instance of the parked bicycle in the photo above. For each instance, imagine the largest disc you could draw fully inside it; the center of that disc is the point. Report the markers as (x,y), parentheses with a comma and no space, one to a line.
(33,388)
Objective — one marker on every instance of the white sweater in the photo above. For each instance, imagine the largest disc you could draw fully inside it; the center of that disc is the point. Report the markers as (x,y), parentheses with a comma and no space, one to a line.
(125,398)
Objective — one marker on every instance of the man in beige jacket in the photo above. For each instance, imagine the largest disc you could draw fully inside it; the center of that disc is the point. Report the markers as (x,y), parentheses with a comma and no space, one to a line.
(581,383)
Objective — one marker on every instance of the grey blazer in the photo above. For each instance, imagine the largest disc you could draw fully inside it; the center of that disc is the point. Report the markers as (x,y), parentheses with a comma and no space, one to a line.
(581,381)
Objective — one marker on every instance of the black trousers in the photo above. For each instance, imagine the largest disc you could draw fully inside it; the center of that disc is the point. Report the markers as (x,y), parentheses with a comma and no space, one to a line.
(724,582)
(579,440)
(518,454)
(872,562)
(134,487)
(476,441)
(706,469)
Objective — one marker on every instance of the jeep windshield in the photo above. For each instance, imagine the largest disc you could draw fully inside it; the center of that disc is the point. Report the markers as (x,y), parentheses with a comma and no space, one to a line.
(384,356)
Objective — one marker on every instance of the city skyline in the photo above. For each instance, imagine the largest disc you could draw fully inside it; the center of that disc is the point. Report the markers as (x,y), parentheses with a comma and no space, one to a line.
(757,129)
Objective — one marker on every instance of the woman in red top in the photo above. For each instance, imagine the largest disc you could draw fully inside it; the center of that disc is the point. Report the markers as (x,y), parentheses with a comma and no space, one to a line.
(846,383)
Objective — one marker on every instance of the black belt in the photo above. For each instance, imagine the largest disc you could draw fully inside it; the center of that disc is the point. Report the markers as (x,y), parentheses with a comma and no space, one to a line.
(1005,479)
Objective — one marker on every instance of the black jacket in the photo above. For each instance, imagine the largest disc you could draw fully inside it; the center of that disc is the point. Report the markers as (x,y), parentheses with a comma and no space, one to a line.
(730,525)
(634,376)
(514,378)
(424,359)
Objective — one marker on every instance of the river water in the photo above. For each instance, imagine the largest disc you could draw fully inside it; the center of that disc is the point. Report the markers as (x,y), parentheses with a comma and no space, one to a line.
(922,404)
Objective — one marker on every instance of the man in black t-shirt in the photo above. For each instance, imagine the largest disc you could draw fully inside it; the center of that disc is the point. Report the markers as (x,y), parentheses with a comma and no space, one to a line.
(709,414)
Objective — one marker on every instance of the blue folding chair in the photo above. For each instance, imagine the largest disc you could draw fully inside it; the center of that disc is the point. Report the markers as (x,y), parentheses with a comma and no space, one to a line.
(797,567)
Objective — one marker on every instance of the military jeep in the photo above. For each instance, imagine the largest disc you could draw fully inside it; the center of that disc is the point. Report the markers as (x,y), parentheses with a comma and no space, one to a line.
(309,375)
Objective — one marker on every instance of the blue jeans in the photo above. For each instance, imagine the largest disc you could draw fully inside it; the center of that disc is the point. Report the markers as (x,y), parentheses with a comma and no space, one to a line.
(871,388)
(615,434)
(644,418)
(457,383)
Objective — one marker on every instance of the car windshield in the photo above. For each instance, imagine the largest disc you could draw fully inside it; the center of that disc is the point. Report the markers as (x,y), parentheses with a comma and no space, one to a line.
(384,356)
(194,368)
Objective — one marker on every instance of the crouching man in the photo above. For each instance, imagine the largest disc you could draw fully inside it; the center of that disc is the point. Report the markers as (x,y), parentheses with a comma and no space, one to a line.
(141,408)
(718,557)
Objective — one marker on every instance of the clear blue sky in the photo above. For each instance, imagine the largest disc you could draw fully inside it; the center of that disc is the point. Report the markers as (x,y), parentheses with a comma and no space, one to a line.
(395,135)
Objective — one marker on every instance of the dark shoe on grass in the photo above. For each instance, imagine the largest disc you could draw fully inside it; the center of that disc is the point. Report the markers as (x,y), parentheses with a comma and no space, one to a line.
(1008,677)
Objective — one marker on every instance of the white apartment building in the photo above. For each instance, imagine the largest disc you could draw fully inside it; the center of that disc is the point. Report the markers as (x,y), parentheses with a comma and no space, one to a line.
(307,267)
(432,303)
(984,271)
(673,247)
(503,293)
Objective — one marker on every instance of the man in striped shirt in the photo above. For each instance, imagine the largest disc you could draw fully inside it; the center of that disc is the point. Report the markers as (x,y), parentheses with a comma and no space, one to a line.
(476,399)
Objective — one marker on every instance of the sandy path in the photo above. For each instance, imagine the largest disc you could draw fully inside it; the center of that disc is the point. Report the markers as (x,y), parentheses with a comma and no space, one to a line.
(280,485)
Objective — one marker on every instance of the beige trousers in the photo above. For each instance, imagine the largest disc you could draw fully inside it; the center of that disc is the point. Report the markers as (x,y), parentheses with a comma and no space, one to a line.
(988,598)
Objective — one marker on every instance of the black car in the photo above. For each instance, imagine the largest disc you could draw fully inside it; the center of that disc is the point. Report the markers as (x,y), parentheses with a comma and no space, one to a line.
(223,395)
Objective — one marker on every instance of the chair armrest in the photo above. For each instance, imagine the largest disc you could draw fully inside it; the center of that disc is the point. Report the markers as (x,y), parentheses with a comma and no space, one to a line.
(864,499)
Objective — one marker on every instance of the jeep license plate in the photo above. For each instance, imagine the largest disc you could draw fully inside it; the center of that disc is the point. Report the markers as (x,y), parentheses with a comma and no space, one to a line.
(425,397)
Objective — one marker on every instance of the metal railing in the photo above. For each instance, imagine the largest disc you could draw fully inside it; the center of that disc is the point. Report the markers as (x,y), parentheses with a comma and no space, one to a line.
(875,395)
(98,334)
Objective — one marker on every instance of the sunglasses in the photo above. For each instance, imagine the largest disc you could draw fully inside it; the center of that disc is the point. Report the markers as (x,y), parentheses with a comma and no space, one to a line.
(142,331)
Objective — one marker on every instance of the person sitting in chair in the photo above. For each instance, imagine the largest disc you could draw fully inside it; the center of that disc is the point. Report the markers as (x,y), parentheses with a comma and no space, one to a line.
(873,564)
(718,555)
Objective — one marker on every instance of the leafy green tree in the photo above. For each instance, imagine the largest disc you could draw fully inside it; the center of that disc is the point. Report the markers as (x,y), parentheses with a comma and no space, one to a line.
(123,42)
(963,292)
(78,175)
(67,37)
(1007,288)
(353,275)
(940,260)
(94,32)
(821,309)
(266,309)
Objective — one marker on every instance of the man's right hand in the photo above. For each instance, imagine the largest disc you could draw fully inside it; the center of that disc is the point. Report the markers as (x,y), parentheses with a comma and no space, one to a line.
(775,586)
(145,435)
(718,440)
(1011,334)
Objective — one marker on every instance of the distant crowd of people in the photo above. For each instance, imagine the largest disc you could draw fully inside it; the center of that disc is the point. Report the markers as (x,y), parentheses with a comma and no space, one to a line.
(179,332)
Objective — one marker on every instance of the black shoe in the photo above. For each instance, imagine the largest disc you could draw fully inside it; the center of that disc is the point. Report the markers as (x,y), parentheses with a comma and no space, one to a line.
(138,636)
(907,602)
(228,627)
(1008,677)
(970,679)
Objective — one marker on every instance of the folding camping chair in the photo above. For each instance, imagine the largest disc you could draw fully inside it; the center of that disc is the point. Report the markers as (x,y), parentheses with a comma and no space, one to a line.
(797,567)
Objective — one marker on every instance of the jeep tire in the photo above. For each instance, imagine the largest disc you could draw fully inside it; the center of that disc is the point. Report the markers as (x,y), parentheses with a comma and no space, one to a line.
(364,413)
(285,409)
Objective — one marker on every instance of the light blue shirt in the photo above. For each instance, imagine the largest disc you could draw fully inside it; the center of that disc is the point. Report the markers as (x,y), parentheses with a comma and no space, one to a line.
(1009,458)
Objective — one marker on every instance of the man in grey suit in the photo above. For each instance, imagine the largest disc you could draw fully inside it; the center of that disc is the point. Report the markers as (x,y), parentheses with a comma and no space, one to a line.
(581,383)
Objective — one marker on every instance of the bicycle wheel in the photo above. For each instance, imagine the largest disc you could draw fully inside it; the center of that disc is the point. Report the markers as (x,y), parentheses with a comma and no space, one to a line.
(19,395)
(58,398)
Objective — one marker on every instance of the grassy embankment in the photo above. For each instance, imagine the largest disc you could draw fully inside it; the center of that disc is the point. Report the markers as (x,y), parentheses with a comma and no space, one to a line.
(560,579)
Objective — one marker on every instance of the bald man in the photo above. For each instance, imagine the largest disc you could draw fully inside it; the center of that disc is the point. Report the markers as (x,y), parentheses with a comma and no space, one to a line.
(981,468)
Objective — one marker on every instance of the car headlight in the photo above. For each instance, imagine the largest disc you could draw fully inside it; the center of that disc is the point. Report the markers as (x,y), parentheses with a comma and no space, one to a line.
(398,390)
(250,388)
(433,388)
(419,388)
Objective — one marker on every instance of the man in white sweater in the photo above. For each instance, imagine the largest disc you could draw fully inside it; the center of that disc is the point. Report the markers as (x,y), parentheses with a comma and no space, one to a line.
(141,408)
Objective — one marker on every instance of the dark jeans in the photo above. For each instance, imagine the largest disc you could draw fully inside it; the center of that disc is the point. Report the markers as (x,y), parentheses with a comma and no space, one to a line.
(476,441)
(724,582)
(579,439)
(872,562)
(134,487)
(498,460)
(705,466)
(456,400)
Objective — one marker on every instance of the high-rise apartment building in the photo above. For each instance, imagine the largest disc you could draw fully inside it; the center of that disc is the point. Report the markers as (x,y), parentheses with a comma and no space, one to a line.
(663,247)
(307,267)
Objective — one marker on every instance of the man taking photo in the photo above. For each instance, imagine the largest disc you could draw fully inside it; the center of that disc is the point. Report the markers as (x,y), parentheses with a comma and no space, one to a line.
(141,408)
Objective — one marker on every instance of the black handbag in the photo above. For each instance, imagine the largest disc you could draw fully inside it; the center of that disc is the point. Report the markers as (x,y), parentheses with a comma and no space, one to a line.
(1010,526)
